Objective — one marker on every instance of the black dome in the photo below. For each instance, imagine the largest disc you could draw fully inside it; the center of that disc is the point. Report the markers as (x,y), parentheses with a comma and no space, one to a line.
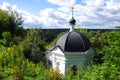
(72,21)
(73,42)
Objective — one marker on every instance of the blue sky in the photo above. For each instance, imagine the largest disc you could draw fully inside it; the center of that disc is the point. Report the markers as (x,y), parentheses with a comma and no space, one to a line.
(32,6)
(57,13)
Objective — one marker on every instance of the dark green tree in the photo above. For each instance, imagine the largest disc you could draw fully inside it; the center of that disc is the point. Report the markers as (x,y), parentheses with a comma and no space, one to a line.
(34,45)
(11,21)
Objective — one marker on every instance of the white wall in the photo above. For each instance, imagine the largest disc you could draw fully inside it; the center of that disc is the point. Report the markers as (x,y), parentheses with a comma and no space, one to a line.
(64,61)
(58,60)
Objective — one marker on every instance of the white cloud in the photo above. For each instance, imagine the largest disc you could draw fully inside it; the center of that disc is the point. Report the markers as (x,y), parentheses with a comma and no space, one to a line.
(93,14)
(52,18)
(64,9)
(99,13)
(27,17)
(96,3)
(5,6)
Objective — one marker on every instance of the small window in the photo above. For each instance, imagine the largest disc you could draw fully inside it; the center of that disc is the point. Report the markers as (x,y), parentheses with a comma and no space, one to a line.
(74,70)
(49,63)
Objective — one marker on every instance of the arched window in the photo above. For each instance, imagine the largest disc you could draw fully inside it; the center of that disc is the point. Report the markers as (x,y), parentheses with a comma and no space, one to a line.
(49,63)
(74,70)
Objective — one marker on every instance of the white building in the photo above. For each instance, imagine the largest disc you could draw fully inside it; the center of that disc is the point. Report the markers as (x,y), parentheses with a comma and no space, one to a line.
(72,49)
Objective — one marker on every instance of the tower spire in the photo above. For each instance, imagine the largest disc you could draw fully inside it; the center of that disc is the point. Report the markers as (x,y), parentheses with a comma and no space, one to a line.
(72,21)
(72,12)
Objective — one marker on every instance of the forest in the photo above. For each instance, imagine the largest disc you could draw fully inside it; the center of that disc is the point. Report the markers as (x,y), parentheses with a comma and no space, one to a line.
(22,52)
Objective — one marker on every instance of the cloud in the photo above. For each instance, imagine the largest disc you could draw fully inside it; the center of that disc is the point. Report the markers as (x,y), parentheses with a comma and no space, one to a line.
(29,19)
(93,14)
(6,6)
(88,14)
(53,19)
(48,18)
(98,13)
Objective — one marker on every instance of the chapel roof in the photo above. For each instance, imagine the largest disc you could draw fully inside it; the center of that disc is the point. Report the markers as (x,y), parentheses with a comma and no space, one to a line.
(73,42)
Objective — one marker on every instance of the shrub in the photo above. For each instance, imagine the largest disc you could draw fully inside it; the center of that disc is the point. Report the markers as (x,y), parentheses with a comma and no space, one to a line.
(7,38)
(54,75)
(17,73)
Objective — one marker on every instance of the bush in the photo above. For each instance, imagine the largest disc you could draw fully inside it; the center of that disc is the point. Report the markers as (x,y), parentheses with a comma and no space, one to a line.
(7,38)
(54,75)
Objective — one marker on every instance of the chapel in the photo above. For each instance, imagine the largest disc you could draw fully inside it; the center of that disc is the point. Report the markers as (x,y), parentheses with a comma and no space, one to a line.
(71,51)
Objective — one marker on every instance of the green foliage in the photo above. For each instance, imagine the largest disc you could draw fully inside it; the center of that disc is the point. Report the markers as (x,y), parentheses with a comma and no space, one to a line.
(111,50)
(54,75)
(117,27)
(12,22)
(7,38)
(3,21)
(10,57)
(14,66)
(98,72)
(22,61)
(34,46)
(17,73)
(51,34)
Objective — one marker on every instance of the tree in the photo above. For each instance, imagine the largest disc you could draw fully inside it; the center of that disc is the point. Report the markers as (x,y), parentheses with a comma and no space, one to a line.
(34,45)
(118,27)
(11,21)
(3,21)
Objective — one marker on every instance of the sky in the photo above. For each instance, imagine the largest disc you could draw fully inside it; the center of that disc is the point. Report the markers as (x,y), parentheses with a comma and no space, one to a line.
(95,14)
